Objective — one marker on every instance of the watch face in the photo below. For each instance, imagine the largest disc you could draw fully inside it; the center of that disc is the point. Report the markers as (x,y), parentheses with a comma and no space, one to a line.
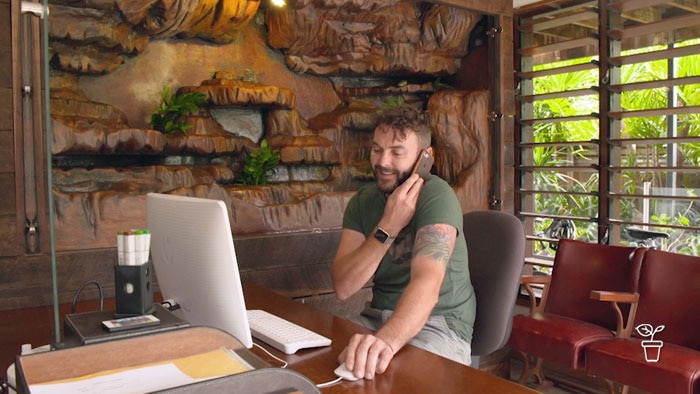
(381,235)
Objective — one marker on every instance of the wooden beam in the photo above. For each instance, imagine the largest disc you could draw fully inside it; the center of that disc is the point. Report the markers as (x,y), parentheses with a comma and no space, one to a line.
(688,5)
(561,144)
(564,94)
(506,106)
(566,32)
(655,112)
(649,56)
(631,5)
(655,141)
(628,87)
(492,7)
(537,10)
(559,46)
(559,70)
(656,27)
(560,21)
(560,119)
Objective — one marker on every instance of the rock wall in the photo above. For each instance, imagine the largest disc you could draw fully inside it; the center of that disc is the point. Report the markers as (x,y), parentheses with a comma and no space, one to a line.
(371,37)
(310,79)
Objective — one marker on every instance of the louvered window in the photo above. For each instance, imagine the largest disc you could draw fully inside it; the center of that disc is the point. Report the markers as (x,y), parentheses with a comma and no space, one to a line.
(609,124)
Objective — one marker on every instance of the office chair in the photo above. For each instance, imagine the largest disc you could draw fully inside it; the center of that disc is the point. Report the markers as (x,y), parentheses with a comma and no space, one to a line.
(496,247)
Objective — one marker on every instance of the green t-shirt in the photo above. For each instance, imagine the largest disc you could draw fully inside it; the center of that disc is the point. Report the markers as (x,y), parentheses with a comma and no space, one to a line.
(437,203)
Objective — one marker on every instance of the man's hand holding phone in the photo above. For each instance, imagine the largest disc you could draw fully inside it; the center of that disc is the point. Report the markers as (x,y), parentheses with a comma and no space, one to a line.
(401,204)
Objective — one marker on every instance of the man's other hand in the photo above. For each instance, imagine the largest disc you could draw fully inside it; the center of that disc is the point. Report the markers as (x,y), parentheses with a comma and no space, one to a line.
(366,355)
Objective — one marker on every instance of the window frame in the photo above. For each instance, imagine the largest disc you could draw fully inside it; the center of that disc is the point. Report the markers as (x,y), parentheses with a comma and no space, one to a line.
(605,43)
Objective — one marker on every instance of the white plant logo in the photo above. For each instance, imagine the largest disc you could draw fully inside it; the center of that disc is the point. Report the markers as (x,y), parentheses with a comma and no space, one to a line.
(652,348)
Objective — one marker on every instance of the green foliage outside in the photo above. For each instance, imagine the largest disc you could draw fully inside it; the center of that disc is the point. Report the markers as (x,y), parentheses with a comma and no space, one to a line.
(258,165)
(585,204)
(169,117)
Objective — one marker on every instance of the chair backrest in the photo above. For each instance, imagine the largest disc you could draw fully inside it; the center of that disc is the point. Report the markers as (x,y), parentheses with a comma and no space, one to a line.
(496,247)
(580,267)
(669,295)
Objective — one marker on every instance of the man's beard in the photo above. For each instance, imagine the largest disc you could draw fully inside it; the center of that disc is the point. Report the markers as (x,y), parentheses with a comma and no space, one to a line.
(402,176)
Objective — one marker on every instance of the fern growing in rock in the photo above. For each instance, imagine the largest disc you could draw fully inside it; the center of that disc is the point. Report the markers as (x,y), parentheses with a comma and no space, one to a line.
(169,117)
(258,164)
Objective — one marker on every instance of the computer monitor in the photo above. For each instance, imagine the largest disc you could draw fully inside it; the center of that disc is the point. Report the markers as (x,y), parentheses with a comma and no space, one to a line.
(195,262)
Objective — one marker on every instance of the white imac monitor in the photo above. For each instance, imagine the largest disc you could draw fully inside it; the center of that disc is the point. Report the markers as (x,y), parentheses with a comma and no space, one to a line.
(195,262)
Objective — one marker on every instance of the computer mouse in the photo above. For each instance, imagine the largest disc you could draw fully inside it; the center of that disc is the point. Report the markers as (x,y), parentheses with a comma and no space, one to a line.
(345,373)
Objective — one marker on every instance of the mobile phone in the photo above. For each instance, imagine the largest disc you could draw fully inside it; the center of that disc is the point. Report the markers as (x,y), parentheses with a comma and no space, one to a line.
(423,165)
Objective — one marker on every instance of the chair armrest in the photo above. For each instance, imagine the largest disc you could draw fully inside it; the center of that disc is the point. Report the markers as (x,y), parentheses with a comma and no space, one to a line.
(614,296)
(529,280)
(624,325)
(538,279)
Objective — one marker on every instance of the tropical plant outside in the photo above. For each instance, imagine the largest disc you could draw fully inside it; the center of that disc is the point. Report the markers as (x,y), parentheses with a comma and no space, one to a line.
(581,186)
(559,156)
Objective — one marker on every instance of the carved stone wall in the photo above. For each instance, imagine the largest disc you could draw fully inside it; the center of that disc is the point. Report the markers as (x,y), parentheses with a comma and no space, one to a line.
(371,37)
(310,79)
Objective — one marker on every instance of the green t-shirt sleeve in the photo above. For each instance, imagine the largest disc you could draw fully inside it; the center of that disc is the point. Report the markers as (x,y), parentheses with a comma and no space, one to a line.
(438,205)
(351,217)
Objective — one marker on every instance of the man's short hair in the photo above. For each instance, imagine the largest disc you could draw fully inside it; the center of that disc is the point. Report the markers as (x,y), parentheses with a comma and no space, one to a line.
(405,117)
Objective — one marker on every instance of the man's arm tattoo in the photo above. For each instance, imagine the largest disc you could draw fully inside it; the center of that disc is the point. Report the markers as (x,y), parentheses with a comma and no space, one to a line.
(435,241)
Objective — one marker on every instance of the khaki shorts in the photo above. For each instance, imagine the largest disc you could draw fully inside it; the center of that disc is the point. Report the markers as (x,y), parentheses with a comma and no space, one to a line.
(435,337)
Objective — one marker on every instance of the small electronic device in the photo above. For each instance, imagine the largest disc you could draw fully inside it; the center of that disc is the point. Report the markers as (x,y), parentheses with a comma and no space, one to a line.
(128,323)
(423,164)
(343,372)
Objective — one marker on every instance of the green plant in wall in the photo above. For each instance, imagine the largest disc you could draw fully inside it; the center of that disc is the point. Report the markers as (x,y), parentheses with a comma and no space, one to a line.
(258,164)
(391,102)
(168,118)
(439,85)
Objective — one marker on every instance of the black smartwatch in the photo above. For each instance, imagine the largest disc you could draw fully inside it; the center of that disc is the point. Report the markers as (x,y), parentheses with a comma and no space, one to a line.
(383,237)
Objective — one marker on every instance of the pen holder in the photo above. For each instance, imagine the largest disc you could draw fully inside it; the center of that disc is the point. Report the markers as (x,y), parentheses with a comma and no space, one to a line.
(133,289)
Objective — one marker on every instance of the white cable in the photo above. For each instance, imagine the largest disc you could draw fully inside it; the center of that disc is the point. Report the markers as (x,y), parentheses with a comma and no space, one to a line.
(284,363)
(332,382)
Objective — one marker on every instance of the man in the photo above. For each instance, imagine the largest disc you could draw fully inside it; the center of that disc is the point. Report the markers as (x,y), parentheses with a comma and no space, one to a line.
(405,234)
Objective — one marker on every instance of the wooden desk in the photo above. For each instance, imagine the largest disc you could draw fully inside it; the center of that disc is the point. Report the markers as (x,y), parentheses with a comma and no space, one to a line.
(412,370)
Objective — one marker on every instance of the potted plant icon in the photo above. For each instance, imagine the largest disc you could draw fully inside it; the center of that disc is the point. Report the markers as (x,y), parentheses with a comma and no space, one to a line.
(652,348)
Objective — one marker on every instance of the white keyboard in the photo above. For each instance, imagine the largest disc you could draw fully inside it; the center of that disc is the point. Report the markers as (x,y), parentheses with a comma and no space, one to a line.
(283,334)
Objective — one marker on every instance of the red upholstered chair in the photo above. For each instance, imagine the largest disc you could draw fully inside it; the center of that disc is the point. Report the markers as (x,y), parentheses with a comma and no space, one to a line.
(669,295)
(566,320)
